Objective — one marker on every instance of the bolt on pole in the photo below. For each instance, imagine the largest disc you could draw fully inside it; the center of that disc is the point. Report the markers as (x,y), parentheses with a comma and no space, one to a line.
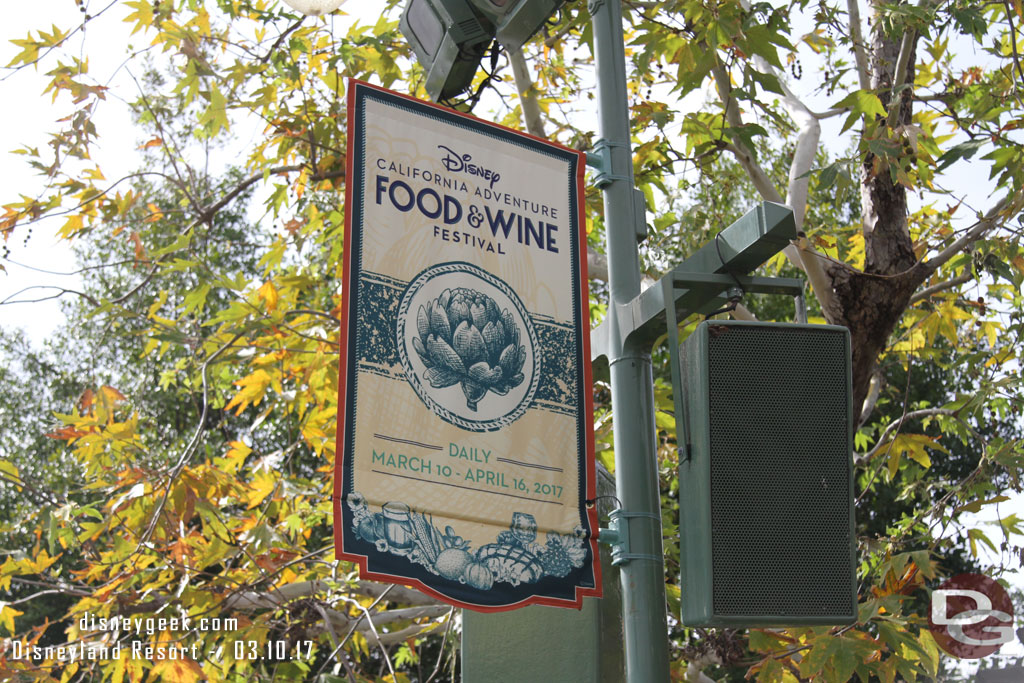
(636,469)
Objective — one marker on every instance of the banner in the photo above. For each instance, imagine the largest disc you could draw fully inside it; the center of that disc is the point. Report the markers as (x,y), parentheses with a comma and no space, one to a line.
(465,462)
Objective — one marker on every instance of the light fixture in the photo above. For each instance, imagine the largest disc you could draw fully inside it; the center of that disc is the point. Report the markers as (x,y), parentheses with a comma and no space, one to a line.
(314,8)
(451,36)
(517,20)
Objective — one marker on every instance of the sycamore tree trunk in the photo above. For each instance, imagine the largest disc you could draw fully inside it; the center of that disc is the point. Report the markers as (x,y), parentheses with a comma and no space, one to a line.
(870,303)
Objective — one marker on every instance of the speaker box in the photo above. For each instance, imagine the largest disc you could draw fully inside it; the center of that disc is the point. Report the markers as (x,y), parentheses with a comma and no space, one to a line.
(766,488)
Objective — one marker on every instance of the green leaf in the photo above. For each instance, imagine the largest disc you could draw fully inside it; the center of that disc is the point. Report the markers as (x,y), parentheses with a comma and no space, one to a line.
(827,176)
(976,505)
(665,421)
(860,103)
(844,661)
(195,300)
(768,82)
(922,558)
(674,598)
(965,150)
(974,535)
(772,671)
(822,649)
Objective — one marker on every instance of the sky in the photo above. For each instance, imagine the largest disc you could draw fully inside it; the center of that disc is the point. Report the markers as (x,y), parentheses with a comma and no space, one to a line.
(26,117)
(42,260)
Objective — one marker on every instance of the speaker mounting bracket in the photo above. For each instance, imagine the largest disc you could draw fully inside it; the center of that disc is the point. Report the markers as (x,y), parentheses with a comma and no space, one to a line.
(617,535)
(699,284)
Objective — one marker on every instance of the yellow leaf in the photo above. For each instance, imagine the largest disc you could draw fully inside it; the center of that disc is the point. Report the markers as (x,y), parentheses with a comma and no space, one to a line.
(7,614)
(177,671)
(155,213)
(158,303)
(9,471)
(1001,358)
(990,330)
(270,358)
(40,564)
(125,664)
(253,387)
(262,486)
(123,430)
(110,398)
(975,535)
(236,455)
(269,295)
(913,446)
(8,570)
(72,226)
(855,257)
(29,53)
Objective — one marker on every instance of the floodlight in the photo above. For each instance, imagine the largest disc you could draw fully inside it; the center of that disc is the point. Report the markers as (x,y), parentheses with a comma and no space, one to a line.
(517,20)
(449,38)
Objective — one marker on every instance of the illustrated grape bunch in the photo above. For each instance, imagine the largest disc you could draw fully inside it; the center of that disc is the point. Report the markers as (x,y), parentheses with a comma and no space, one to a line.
(464,338)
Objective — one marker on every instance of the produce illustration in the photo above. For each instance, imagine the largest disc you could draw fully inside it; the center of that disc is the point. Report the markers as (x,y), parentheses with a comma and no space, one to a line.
(468,346)
(514,557)
(464,338)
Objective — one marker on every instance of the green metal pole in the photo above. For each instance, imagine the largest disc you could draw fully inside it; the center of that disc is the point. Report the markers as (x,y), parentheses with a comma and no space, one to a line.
(636,471)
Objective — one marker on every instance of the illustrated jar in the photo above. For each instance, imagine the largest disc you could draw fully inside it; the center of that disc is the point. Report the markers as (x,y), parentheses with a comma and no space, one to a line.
(398,527)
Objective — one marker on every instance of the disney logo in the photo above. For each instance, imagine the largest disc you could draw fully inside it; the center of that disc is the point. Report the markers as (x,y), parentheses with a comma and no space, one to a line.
(456,163)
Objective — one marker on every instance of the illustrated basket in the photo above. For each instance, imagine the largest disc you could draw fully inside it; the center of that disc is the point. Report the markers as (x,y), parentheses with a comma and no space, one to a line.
(512,561)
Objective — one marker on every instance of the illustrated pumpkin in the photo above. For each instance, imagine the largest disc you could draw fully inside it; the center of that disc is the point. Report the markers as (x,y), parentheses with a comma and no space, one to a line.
(479,576)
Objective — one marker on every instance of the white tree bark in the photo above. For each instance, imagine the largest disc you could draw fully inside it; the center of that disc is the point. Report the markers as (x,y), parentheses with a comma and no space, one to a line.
(808,138)
(424,607)
(860,55)
(527,95)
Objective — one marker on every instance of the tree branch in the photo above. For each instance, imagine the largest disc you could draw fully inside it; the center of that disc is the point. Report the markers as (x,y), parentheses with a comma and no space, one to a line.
(743,155)
(190,449)
(762,183)
(1007,206)
(899,78)
(829,113)
(812,263)
(1013,46)
(527,94)
(874,391)
(799,179)
(857,38)
(803,155)
(280,39)
(803,159)
(597,264)
(62,291)
(948,284)
(882,440)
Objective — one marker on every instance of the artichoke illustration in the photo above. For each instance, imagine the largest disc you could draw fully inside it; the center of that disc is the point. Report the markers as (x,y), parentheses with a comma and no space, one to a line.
(464,338)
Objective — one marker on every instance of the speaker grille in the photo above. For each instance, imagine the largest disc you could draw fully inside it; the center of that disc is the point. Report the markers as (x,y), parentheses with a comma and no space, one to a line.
(780,471)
